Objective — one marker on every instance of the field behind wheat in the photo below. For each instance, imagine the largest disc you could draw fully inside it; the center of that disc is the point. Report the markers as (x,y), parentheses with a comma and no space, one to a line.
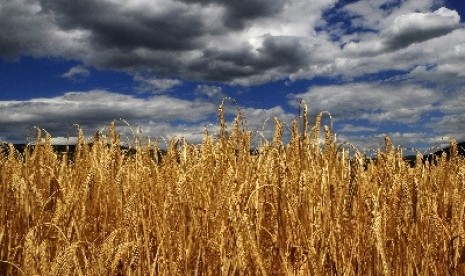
(295,208)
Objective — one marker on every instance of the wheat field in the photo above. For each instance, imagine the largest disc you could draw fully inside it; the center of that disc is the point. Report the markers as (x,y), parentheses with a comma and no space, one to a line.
(295,208)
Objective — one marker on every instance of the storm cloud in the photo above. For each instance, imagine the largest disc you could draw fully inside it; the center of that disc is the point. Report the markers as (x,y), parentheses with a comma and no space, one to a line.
(228,41)
(237,13)
(233,42)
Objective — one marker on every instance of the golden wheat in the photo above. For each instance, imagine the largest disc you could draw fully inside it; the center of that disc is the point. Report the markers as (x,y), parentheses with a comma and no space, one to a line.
(296,208)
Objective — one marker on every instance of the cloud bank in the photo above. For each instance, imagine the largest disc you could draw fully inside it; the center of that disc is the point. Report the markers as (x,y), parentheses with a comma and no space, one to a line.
(226,41)
(157,116)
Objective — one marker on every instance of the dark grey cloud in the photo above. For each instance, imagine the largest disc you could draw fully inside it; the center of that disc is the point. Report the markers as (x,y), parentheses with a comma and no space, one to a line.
(225,66)
(280,55)
(228,41)
(174,28)
(23,30)
(238,42)
(284,51)
(238,13)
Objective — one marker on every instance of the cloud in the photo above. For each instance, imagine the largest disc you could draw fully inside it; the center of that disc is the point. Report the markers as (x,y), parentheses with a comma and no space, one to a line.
(409,141)
(374,102)
(450,121)
(158,116)
(437,52)
(26,30)
(154,84)
(238,14)
(95,109)
(256,118)
(228,41)
(126,25)
(379,15)
(439,63)
(447,75)
(350,128)
(210,91)
(418,27)
(225,41)
(408,29)
(76,73)
(364,113)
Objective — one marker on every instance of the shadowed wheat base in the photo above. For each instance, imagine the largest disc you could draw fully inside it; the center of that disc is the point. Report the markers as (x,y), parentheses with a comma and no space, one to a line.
(299,208)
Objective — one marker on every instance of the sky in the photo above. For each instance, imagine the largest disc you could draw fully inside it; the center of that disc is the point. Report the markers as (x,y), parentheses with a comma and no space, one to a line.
(379,67)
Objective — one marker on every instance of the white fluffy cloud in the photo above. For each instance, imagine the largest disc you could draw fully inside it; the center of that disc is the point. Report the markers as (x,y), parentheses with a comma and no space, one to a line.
(451,120)
(154,84)
(364,112)
(374,102)
(76,73)
(406,30)
(350,128)
(210,91)
(94,109)
(158,116)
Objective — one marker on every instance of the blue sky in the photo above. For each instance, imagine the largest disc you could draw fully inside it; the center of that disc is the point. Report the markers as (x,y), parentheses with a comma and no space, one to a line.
(380,67)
